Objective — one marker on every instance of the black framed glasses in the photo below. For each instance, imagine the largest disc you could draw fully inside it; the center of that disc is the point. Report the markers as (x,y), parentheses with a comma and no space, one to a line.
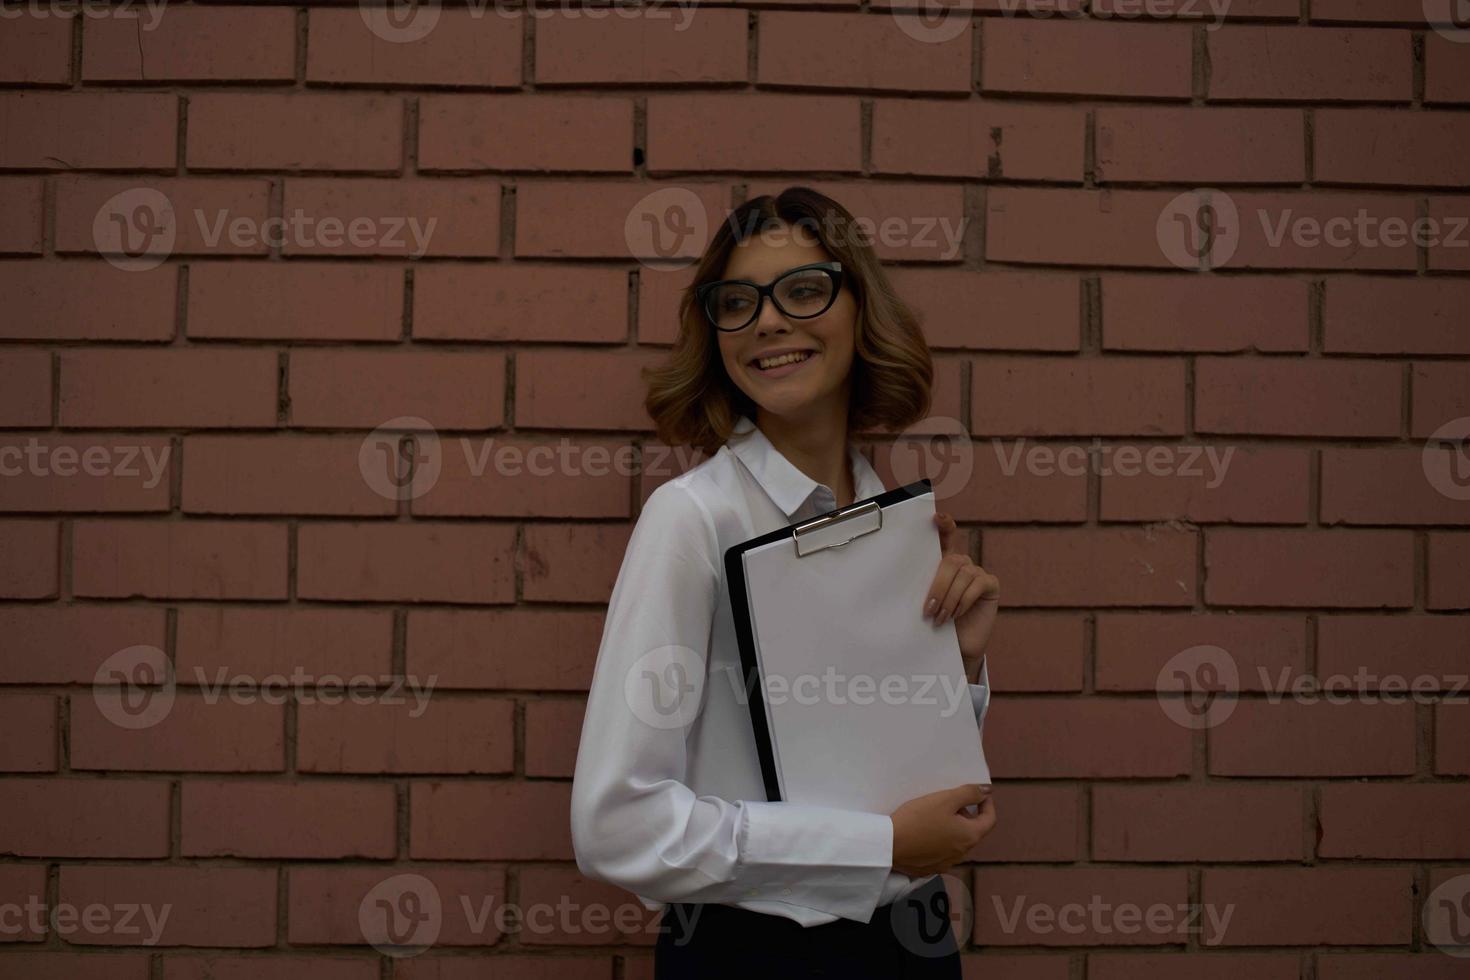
(800,293)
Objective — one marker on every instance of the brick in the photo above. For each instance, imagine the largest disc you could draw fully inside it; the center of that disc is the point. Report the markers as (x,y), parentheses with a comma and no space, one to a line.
(1214,145)
(1384,146)
(28,733)
(1135,650)
(1036,396)
(1061,226)
(215,906)
(1053,904)
(25,390)
(1410,822)
(1314,738)
(55,644)
(434,47)
(21,201)
(1193,313)
(520,967)
(1189,10)
(1150,566)
(1446,69)
(88,130)
(1043,651)
(1441,396)
(618,919)
(298,131)
(490,821)
(1087,58)
(418,562)
(1022,310)
(1449,570)
(266,641)
(224,216)
(978,139)
(1162,823)
(993,481)
(536,477)
(1449,234)
(571,562)
(423,734)
(853,50)
(1206,484)
(1199,966)
(526,302)
(518,648)
(287,820)
(1297,397)
(553,733)
(1393,654)
(36,50)
(179,559)
(79,818)
(28,564)
(1324,230)
(22,885)
(346,388)
(588,219)
(1385,315)
(745,132)
(554,389)
(46,472)
(199,44)
(168,388)
(1337,568)
(243,475)
(659,294)
(904,221)
(237,733)
(1428,965)
(654,46)
(1363,906)
(226,967)
(326,902)
(1452,739)
(55,300)
(1106,738)
(1384,486)
(75,966)
(290,301)
(404,218)
(1370,11)
(1041,824)
(548,133)
(1310,64)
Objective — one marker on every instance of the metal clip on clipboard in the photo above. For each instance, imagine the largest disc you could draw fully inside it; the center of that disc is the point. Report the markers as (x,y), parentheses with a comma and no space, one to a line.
(837,528)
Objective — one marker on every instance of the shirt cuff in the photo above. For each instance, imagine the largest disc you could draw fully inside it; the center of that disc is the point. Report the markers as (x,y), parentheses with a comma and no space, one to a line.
(824,858)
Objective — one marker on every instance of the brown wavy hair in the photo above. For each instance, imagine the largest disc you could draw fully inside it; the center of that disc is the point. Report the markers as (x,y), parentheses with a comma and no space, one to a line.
(691,398)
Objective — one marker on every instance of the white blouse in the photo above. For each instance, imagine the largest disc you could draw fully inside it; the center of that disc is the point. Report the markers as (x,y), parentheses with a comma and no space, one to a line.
(668,803)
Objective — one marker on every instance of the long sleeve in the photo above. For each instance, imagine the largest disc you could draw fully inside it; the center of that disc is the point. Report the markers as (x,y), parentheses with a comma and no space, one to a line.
(635,822)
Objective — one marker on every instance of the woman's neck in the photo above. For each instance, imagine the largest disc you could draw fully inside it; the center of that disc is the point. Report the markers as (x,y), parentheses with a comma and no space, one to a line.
(817,446)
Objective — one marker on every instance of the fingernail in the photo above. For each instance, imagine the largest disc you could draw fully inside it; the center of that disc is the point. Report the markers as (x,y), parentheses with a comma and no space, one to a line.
(931,605)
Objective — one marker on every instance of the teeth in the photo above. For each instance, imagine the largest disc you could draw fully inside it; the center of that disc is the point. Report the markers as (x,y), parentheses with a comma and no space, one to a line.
(766,363)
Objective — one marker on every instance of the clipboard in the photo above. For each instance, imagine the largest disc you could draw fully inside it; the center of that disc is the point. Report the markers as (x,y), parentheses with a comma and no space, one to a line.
(840,596)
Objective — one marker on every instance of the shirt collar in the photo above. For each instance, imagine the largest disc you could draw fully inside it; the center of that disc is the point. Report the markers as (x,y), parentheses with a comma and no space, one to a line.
(787,486)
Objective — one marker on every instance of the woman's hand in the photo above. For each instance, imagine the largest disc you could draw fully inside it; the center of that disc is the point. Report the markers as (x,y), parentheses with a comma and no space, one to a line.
(933,833)
(964,592)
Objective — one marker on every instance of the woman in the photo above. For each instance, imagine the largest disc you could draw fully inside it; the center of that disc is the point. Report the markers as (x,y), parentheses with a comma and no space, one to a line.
(791,339)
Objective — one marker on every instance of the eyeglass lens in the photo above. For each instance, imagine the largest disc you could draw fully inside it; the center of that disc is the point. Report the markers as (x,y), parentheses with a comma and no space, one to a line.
(801,294)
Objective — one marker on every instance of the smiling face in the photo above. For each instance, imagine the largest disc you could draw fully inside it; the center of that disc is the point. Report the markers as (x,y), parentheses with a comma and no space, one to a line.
(791,368)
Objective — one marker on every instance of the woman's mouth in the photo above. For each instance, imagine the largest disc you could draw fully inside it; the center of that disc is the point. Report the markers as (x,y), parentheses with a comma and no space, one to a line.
(780,365)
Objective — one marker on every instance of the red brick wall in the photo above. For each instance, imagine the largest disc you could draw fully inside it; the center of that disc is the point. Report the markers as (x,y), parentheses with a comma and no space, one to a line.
(1113,225)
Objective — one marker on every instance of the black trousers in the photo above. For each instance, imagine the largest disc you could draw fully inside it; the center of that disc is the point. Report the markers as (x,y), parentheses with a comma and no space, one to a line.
(909,939)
